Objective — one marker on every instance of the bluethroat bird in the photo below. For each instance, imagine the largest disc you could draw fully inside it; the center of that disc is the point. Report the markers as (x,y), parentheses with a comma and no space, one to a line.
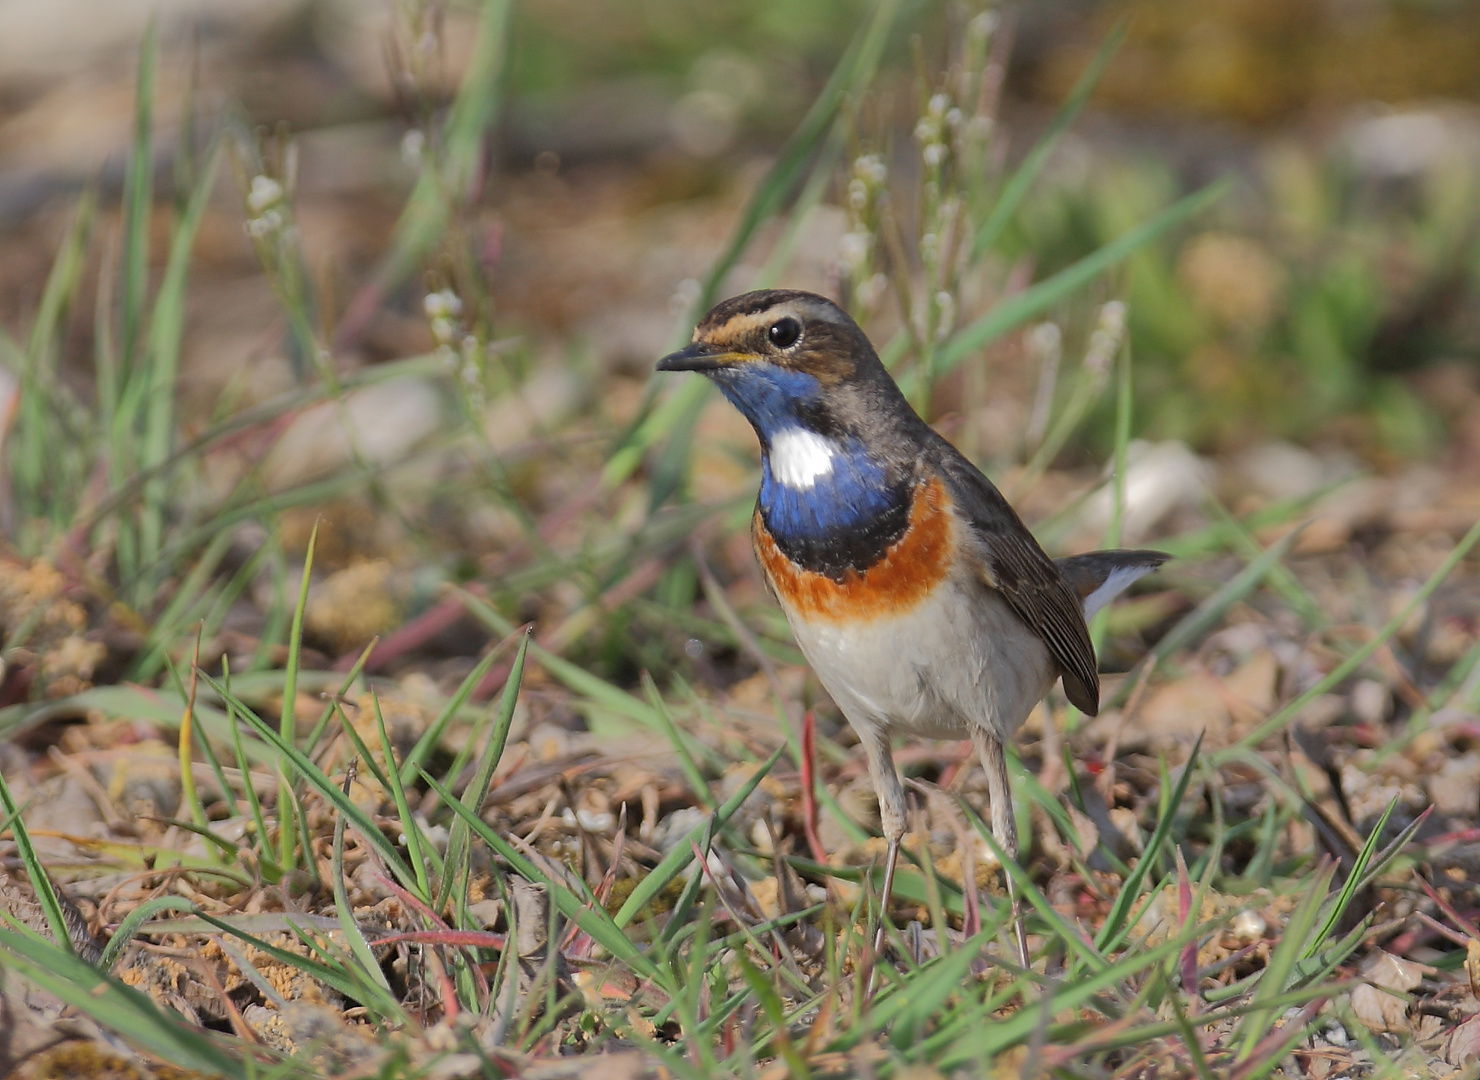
(916,593)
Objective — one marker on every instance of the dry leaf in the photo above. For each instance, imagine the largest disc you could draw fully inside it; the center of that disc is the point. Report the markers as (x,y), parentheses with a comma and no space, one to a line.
(1376,1005)
(1463,1043)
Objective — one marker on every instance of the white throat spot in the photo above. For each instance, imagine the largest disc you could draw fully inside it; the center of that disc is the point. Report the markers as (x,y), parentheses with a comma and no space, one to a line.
(799,458)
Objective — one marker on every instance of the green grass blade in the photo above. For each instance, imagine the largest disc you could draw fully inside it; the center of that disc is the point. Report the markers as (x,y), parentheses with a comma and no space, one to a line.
(358,946)
(360,989)
(770,1003)
(593,919)
(249,792)
(1287,953)
(1278,721)
(1110,935)
(677,860)
(433,734)
(297,760)
(686,762)
(409,829)
(166,327)
(1023,178)
(32,452)
(46,894)
(287,716)
(456,863)
(135,919)
(1353,882)
(445,184)
(114,1006)
(1038,298)
(916,1004)
(138,202)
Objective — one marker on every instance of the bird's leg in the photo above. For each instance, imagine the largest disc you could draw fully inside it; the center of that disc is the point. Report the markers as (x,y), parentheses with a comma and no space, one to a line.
(890,791)
(1004,825)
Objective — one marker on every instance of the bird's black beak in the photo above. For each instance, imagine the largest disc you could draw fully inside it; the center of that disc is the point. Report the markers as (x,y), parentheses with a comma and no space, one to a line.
(696,357)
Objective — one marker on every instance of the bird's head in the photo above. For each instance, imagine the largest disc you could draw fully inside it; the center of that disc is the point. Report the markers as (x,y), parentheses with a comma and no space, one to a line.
(791,360)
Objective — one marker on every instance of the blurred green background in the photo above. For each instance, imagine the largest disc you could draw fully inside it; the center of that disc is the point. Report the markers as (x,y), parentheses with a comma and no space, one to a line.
(1332,296)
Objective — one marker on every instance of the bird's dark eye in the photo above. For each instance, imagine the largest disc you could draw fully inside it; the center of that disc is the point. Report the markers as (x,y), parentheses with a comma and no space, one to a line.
(784,333)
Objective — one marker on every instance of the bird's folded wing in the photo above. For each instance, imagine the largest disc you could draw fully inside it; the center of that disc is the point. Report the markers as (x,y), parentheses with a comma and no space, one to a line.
(1014,565)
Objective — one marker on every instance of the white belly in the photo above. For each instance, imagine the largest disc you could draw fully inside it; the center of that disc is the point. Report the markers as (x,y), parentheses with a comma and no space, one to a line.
(957,661)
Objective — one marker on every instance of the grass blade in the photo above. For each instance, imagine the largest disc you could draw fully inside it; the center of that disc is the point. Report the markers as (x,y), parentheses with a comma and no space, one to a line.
(592,919)
(1110,935)
(133,921)
(138,201)
(847,82)
(157,390)
(297,760)
(1276,722)
(46,894)
(114,1006)
(409,829)
(433,734)
(1017,188)
(456,863)
(682,854)
(1037,299)
(347,924)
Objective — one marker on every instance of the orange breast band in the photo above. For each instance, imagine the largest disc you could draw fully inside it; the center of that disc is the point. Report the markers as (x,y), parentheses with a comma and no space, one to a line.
(910,569)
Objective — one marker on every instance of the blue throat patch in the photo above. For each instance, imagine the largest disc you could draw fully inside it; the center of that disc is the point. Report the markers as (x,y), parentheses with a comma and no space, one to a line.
(855,493)
(854,496)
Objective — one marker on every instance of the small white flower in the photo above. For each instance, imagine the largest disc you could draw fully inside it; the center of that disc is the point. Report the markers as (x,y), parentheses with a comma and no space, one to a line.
(413,145)
(442,304)
(854,248)
(939,103)
(934,154)
(265,192)
(871,290)
(945,306)
(983,26)
(1105,341)
(1046,339)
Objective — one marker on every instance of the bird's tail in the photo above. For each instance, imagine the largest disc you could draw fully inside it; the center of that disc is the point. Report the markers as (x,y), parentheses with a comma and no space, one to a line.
(1101,576)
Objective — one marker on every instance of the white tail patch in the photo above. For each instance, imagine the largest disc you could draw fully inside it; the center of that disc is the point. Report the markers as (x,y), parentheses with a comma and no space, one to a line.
(1120,579)
(799,458)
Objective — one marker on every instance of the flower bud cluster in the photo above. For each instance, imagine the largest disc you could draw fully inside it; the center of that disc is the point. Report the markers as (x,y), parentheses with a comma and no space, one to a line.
(936,131)
(267,208)
(1104,343)
(458,349)
(868,191)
